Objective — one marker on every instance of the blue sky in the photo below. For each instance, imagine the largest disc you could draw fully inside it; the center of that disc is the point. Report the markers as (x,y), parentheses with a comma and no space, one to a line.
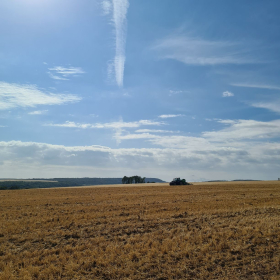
(155,88)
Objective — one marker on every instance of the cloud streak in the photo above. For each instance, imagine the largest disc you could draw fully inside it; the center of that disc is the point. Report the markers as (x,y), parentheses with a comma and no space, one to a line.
(261,86)
(197,51)
(244,130)
(272,106)
(236,133)
(63,73)
(111,125)
(154,131)
(38,112)
(17,95)
(170,116)
(119,11)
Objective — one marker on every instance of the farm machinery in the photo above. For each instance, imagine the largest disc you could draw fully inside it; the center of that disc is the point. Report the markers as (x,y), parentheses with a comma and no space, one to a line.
(178,181)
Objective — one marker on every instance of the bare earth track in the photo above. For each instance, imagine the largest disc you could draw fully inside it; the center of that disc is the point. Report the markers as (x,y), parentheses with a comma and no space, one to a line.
(225,230)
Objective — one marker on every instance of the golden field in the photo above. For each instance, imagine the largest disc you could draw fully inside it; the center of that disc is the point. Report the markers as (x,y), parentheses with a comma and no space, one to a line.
(228,230)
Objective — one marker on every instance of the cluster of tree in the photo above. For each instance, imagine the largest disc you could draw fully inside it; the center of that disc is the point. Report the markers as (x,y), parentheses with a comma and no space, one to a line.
(133,180)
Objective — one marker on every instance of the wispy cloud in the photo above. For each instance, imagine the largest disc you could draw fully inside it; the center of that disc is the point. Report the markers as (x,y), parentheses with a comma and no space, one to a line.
(238,132)
(154,131)
(135,136)
(174,92)
(244,129)
(272,106)
(63,73)
(261,86)
(38,112)
(227,94)
(197,51)
(170,116)
(119,12)
(17,95)
(107,6)
(55,77)
(111,125)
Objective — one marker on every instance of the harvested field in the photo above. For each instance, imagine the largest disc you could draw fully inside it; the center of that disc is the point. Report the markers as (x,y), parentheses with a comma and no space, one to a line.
(225,230)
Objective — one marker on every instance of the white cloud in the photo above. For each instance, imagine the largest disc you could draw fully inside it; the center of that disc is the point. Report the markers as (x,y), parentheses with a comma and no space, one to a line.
(111,125)
(225,121)
(67,71)
(272,106)
(236,131)
(245,129)
(119,12)
(135,136)
(187,155)
(38,112)
(227,94)
(196,51)
(154,131)
(182,142)
(62,73)
(55,77)
(170,141)
(175,91)
(170,116)
(107,6)
(261,86)
(17,95)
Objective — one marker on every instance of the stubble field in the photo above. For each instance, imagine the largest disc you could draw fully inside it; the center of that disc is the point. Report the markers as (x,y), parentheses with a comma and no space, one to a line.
(203,231)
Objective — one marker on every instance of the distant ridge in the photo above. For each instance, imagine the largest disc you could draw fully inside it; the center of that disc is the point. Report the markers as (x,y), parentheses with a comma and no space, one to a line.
(62,182)
(245,180)
(217,181)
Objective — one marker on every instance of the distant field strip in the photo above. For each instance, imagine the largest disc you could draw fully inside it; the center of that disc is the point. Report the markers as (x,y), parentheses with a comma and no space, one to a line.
(225,230)
(120,186)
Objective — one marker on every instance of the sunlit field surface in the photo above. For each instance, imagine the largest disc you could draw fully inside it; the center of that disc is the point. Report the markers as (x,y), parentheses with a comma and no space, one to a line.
(155,231)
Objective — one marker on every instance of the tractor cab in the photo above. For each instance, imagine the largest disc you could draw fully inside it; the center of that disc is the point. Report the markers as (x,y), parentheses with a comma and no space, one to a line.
(176,179)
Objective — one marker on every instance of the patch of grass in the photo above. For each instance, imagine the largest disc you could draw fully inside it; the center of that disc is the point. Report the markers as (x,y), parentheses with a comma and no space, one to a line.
(204,231)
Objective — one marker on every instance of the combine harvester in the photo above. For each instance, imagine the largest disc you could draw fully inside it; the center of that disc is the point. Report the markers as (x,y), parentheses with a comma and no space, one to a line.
(178,181)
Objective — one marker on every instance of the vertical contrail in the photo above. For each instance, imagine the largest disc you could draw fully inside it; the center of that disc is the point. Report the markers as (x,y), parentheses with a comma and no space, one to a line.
(120,8)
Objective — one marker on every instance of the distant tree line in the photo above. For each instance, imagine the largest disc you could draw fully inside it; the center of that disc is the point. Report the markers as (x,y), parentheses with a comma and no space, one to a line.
(133,180)
(71,182)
